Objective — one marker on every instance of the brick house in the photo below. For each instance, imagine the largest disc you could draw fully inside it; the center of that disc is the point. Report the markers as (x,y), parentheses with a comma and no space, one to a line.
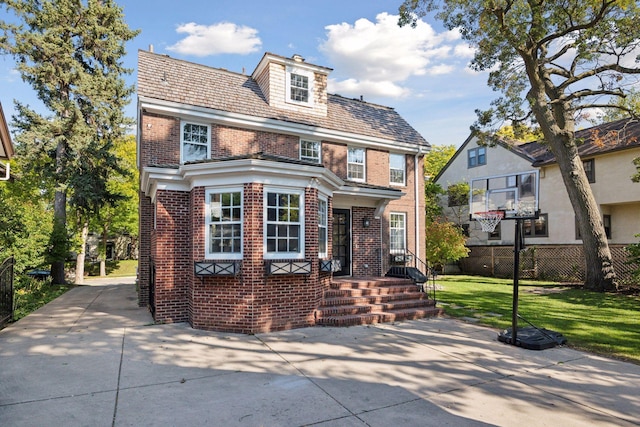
(256,190)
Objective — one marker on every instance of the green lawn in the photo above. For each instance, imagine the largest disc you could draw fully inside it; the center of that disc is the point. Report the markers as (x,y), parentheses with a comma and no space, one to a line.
(120,268)
(606,324)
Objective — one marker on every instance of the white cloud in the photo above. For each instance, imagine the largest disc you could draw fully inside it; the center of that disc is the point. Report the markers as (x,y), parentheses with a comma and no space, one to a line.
(378,57)
(223,37)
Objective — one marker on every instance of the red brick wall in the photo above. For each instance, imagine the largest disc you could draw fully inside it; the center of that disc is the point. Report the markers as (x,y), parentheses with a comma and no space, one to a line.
(160,141)
(366,243)
(172,256)
(145,228)
(227,141)
(255,302)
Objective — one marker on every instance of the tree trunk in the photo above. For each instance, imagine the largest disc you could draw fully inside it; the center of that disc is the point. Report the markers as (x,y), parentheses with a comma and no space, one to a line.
(59,237)
(59,232)
(82,255)
(103,253)
(559,134)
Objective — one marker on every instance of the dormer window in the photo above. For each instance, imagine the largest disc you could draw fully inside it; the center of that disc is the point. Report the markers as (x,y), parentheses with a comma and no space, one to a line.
(299,86)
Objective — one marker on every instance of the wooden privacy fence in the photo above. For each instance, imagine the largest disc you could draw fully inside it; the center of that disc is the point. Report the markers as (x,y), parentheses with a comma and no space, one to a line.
(563,263)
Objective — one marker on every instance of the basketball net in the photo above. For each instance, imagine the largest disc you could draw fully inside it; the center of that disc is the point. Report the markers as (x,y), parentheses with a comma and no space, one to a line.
(489,220)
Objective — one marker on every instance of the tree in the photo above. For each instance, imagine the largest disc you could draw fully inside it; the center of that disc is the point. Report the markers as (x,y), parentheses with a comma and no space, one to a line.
(552,61)
(70,52)
(434,161)
(445,242)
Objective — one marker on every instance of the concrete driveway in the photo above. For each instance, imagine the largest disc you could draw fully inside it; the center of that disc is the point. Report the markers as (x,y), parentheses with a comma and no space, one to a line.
(93,358)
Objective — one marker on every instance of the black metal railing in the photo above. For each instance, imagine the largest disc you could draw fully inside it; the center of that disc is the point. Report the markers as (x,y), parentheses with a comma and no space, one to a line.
(409,259)
(6,291)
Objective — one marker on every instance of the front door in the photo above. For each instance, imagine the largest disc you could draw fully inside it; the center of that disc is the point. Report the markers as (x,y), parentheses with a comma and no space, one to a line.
(342,240)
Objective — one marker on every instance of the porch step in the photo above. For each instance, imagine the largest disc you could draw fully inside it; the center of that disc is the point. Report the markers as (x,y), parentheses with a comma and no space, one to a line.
(363,301)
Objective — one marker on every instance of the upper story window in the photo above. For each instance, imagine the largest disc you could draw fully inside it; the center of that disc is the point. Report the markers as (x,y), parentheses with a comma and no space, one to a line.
(323,220)
(299,86)
(397,232)
(284,224)
(397,169)
(355,164)
(590,170)
(224,224)
(477,157)
(195,141)
(310,151)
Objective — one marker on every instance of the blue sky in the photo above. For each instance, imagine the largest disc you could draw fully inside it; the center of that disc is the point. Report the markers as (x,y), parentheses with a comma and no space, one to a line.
(420,72)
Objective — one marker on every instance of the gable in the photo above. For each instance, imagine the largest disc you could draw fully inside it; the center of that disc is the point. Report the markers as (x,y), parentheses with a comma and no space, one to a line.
(6,146)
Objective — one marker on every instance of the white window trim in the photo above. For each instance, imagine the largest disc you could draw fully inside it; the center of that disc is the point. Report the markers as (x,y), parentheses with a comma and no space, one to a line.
(404,234)
(325,230)
(207,233)
(302,72)
(404,170)
(284,255)
(182,142)
(364,164)
(319,159)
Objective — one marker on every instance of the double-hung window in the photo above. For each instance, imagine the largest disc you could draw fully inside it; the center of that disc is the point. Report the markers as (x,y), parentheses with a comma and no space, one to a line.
(299,86)
(397,232)
(477,157)
(310,151)
(284,224)
(322,228)
(355,164)
(224,224)
(195,141)
(397,169)
(590,170)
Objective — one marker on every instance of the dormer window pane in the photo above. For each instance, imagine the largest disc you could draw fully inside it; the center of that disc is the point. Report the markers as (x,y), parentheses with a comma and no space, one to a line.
(299,88)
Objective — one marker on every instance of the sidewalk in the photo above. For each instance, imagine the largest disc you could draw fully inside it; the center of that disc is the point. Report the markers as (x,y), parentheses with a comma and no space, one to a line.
(93,358)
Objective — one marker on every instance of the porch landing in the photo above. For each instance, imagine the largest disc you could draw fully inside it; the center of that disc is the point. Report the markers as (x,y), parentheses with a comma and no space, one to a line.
(365,300)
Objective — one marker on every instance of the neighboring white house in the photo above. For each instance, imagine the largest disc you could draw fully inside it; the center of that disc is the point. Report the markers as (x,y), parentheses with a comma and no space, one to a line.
(607,152)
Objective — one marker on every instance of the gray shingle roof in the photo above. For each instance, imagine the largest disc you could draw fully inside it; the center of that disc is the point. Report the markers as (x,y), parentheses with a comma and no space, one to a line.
(600,139)
(165,78)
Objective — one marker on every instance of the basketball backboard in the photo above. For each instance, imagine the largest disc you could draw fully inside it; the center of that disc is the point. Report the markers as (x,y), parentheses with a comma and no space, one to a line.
(516,195)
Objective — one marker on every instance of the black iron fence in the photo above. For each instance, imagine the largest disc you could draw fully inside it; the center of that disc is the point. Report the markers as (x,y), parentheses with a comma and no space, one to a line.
(6,291)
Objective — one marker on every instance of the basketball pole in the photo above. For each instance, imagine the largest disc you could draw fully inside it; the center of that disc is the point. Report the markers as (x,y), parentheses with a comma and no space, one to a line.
(516,275)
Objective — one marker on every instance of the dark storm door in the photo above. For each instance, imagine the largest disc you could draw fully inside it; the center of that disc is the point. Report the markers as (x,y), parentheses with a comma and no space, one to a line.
(342,240)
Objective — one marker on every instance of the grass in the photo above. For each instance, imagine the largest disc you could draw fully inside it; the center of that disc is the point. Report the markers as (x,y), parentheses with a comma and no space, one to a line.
(120,268)
(602,323)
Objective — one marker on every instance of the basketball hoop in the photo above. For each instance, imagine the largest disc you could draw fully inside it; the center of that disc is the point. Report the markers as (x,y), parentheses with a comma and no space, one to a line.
(489,220)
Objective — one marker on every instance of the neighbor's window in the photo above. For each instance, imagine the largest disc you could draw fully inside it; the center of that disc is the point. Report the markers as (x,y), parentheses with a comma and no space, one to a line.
(590,170)
(310,151)
(224,224)
(606,222)
(284,224)
(477,157)
(537,227)
(322,228)
(397,232)
(397,168)
(355,164)
(496,234)
(195,140)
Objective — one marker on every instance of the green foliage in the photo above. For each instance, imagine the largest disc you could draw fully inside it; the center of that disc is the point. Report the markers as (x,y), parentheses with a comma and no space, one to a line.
(634,258)
(70,51)
(604,323)
(434,162)
(25,222)
(31,294)
(445,242)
